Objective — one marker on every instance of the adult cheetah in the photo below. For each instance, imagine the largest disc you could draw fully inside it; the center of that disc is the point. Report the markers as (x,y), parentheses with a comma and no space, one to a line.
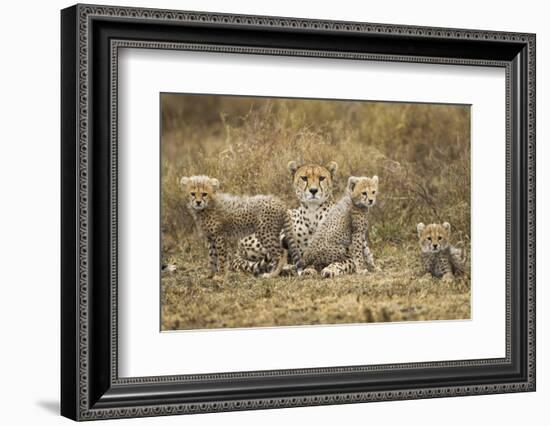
(313,185)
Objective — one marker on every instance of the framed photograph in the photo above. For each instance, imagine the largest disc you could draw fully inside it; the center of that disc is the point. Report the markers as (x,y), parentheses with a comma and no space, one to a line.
(263,212)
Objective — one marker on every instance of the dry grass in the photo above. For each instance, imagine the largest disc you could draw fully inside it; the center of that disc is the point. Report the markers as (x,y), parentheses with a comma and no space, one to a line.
(420,152)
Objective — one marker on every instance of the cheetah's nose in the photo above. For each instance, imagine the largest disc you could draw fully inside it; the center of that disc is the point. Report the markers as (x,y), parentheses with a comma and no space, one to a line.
(313,191)
(371,202)
(198,202)
(435,246)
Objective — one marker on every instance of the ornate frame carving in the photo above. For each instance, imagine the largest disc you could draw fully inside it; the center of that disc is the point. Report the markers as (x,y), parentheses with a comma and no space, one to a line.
(85,396)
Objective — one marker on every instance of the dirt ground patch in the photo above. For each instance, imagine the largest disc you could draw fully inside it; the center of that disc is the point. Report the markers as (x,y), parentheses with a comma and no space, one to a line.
(191,301)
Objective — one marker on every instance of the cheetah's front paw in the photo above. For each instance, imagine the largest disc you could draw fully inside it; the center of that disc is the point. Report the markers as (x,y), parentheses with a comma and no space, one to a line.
(448,278)
(329,272)
(309,272)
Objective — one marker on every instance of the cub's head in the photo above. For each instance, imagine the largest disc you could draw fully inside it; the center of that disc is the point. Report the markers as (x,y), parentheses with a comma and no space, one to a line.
(312,183)
(433,237)
(363,190)
(199,190)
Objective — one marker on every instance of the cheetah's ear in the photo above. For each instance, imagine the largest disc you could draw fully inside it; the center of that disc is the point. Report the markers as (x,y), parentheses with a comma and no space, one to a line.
(215,183)
(375,179)
(292,166)
(352,180)
(332,167)
(419,228)
(184,181)
(447,226)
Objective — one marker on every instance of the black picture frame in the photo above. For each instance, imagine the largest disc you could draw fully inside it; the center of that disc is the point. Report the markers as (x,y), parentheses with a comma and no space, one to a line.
(90,38)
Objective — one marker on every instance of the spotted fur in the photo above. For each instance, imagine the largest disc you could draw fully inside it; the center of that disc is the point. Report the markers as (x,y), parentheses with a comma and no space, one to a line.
(221,217)
(313,185)
(338,246)
(439,258)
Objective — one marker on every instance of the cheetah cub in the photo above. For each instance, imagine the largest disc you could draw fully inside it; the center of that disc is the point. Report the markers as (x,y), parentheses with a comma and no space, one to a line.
(221,217)
(338,246)
(439,258)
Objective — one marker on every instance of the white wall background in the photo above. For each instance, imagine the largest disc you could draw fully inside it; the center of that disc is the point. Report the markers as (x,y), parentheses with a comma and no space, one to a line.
(29,210)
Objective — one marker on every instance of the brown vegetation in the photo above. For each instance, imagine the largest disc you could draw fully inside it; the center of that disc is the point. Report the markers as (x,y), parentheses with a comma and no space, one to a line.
(420,152)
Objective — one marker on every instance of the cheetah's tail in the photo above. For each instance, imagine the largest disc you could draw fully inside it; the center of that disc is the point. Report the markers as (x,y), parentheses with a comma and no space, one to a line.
(290,237)
(240,264)
(459,257)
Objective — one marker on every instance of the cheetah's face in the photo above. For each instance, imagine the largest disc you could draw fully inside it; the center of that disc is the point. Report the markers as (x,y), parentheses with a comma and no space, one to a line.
(433,237)
(363,190)
(312,183)
(200,191)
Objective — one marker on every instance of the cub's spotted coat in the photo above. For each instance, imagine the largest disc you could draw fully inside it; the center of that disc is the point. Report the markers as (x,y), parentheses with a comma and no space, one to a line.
(338,246)
(221,217)
(439,258)
(313,185)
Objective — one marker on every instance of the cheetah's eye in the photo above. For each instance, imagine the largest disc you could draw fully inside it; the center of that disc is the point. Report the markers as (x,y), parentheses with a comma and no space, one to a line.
(204,194)
(192,194)
(321,178)
(373,192)
(439,237)
(364,193)
(304,178)
(429,238)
